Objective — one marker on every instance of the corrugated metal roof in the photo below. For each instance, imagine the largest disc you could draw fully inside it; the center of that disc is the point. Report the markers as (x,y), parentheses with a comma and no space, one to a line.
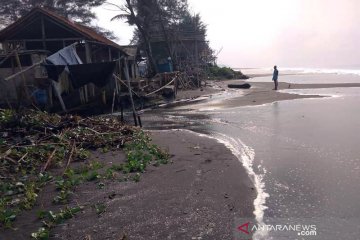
(88,33)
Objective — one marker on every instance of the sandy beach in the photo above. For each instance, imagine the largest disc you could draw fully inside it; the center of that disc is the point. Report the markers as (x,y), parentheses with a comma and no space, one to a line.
(196,196)
(259,93)
(304,151)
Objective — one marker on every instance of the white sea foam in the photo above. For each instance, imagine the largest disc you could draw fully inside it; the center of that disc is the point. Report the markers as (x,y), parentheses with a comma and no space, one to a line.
(246,156)
(324,70)
(268,70)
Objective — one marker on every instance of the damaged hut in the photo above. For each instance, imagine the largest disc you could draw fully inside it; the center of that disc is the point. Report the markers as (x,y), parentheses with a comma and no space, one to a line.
(48,59)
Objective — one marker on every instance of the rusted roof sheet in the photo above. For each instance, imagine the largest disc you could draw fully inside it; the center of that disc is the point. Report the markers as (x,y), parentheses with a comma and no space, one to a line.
(88,33)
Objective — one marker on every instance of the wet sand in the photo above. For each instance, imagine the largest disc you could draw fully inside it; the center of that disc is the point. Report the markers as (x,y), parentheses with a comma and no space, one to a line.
(197,196)
(262,92)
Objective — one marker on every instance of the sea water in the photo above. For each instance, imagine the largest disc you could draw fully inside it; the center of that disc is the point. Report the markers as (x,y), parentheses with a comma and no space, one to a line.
(303,156)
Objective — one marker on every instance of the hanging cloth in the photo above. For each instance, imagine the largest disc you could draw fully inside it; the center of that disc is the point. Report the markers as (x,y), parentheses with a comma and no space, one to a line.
(98,73)
(66,56)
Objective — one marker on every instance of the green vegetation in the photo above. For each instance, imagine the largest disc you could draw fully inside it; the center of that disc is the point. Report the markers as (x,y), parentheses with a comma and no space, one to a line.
(51,219)
(99,208)
(44,155)
(216,72)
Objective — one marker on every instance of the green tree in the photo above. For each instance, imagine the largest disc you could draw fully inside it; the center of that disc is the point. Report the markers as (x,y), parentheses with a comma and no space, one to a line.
(141,14)
(162,20)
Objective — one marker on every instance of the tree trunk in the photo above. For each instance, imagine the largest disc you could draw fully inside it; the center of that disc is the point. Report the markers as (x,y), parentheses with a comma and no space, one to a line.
(145,36)
(166,36)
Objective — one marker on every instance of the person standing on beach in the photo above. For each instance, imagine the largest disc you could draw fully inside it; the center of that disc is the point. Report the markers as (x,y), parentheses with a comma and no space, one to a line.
(275,77)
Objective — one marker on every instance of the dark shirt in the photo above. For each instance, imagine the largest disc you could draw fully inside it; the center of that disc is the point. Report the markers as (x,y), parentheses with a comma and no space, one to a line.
(275,75)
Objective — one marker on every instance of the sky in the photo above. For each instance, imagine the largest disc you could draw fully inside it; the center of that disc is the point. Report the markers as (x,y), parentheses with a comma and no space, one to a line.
(262,33)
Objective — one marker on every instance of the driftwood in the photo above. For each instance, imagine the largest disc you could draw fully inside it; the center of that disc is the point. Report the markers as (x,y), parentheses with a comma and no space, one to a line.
(243,86)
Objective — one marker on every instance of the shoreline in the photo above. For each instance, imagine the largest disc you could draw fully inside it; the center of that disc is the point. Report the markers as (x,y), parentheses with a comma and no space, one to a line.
(198,195)
(260,93)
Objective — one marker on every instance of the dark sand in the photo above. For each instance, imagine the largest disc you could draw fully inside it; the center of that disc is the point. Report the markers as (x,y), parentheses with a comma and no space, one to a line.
(197,196)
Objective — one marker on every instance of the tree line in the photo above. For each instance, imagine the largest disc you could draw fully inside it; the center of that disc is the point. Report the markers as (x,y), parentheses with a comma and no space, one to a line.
(167,19)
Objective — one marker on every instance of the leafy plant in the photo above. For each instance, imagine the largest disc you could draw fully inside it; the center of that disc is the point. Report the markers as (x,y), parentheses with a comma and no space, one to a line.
(52,219)
(30,196)
(92,176)
(41,234)
(99,208)
(136,177)
(7,215)
(62,197)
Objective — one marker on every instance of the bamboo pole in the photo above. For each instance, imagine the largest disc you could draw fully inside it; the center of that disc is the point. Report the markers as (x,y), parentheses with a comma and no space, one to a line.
(22,74)
(130,91)
(125,84)
(113,102)
(22,71)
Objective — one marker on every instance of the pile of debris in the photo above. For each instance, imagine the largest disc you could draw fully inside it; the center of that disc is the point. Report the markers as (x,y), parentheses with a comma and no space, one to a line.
(32,141)
(38,149)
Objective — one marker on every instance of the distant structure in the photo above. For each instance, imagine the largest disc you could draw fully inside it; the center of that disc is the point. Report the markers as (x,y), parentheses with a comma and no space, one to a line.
(41,33)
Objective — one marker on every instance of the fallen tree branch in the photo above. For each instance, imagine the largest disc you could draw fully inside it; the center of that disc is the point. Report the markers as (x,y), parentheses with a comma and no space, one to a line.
(48,161)
(70,157)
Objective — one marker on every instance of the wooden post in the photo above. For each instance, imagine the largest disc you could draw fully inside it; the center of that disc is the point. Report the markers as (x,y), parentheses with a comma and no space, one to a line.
(88,52)
(113,102)
(119,62)
(122,112)
(139,119)
(110,57)
(197,63)
(43,35)
(51,103)
(130,92)
(88,87)
(103,95)
(22,73)
(175,85)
